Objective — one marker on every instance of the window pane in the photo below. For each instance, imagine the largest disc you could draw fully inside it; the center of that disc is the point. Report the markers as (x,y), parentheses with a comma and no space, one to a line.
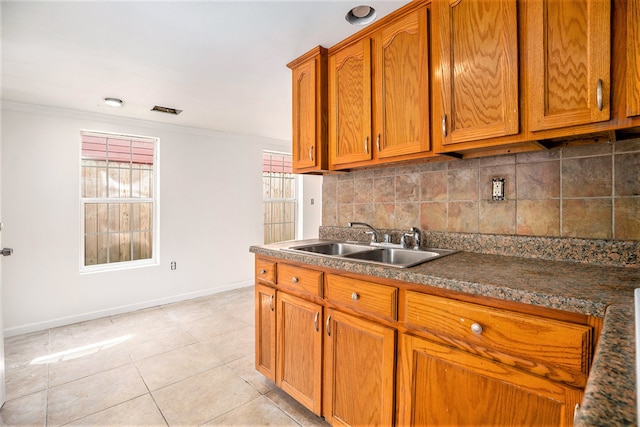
(121,167)
(279,198)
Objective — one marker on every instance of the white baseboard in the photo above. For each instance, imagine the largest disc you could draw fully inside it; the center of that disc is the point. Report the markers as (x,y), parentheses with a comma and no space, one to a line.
(82,317)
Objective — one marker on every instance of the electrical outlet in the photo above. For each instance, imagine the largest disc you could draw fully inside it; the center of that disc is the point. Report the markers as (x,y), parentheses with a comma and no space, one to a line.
(173,265)
(497,189)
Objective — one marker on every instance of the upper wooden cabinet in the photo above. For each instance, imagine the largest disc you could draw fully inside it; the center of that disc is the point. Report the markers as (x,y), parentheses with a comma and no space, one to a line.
(379,95)
(568,62)
(401,87)
(310,111)
(350,104)
(475,59)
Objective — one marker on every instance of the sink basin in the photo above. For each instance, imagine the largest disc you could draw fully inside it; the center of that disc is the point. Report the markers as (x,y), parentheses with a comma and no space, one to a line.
(393,257)
(399,257)
(332,248)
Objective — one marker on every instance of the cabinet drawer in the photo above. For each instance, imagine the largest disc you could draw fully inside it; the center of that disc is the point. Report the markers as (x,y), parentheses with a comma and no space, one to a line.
(528,337)
(365,297)
(265,271)
(300,279)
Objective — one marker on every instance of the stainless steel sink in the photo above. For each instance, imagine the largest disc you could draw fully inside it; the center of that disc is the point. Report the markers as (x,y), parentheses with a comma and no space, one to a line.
(332,248)
(399,257)
(393,257)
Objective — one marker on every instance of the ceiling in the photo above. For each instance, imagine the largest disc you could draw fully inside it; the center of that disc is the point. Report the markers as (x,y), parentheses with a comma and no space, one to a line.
(222,62)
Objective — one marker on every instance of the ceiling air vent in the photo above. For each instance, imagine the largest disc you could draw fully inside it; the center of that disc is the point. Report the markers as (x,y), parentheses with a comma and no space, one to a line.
(167,110)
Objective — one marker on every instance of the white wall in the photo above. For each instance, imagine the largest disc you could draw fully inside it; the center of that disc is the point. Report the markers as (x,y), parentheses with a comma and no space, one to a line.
(210,213)
(310,214)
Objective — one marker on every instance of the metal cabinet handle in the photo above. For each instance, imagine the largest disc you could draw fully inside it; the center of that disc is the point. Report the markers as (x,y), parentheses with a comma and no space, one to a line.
(326,326)
(444,125)
(476,328)
(263,271)
(6,252)
(366,145)
(315,321)
(599,97)
(355,296)
(294,279)
(378,143)
(311,153)
(271,302)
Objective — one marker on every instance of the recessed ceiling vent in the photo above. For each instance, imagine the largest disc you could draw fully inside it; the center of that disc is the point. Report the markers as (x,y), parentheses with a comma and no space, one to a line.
(167,110)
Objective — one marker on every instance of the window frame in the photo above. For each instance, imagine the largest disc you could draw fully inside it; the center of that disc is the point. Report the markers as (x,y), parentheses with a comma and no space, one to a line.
(154,200)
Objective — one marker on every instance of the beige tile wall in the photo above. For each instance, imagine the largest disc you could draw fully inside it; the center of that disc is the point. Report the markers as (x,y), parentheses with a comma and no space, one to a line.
(584,191)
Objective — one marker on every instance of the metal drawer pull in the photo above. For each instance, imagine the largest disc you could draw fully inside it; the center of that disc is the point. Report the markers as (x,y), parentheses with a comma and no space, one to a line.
(476,328)
(378,143)
(326,327)
(263,271)
(311,153)
(355,296)
(271,302)
(315,321)
(366,145)
(294,279)
(599,95)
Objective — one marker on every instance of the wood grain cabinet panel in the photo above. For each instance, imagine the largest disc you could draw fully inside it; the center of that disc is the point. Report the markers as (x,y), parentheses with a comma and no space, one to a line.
(265,330)
(557,350)
(359,371)
(299,350)
(633,58)
(309,113)
(401,87)
(476,78)
(442,386)
(265,271)
(568,62)
(300,280)
(350,104)
(364,297)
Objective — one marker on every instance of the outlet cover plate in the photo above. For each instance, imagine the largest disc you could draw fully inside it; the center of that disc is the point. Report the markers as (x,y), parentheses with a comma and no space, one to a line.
(497,189)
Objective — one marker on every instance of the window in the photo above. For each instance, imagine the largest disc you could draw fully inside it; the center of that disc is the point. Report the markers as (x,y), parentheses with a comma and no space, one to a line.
(119,199)
(279,191)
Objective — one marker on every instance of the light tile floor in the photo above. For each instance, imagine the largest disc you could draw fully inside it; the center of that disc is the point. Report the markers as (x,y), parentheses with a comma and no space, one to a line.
(183,364)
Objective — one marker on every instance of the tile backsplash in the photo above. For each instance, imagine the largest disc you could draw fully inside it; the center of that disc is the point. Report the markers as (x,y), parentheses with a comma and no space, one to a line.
(590,192)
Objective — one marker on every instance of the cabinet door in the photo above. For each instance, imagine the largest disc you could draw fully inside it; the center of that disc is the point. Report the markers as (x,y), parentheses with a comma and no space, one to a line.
(309,114)
(440,386)
(359,371)
(266,331)
(401,90)
(299,351)
(476,51)
(568,62)
(350,104)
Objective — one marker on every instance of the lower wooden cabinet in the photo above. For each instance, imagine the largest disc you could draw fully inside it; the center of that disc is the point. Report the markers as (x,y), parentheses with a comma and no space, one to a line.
(299,350)
(265,308)
(359,371)
(442,386)
(371,353)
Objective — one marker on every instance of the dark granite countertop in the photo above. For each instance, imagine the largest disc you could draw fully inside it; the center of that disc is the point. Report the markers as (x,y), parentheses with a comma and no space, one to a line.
(601,291)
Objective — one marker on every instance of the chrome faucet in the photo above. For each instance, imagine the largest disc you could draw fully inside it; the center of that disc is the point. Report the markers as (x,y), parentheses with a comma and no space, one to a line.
(374,233)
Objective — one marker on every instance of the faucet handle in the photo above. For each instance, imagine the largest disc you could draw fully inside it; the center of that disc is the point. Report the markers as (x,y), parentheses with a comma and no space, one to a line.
(417,237)
(374,236)
(403,240)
